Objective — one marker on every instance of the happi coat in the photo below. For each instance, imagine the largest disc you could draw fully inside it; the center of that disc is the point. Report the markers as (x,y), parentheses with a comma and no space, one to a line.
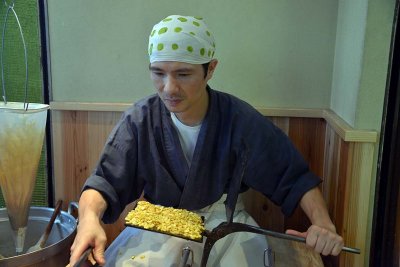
(143,154)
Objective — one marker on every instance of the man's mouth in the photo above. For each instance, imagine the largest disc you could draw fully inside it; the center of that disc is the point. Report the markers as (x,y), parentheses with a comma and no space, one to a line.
(173,101)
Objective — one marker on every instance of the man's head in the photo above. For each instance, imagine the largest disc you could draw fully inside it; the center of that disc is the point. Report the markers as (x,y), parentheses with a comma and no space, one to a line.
(181,51)
(183,39)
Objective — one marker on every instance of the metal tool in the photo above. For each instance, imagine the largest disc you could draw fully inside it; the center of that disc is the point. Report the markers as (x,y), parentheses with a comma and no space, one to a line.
(236,182)
(229,227)
(84,261)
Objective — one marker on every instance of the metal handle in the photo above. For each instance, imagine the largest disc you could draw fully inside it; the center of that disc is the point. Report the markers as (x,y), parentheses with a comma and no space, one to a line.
(10,7)
(269,258)
(254,229)
(73,206)
(83,260)
(186,251)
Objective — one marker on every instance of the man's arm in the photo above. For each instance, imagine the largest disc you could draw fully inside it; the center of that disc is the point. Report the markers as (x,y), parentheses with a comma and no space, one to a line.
(321,235)
(90,232)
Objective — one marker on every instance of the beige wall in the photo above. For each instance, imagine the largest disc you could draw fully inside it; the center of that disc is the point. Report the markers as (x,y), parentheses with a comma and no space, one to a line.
(271,53)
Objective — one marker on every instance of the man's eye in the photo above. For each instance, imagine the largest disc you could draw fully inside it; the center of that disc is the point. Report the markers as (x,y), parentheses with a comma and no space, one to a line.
(156,73)
(183,74)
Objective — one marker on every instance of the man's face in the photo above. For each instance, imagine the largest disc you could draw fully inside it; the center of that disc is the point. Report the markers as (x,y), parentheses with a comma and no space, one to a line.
(182,87)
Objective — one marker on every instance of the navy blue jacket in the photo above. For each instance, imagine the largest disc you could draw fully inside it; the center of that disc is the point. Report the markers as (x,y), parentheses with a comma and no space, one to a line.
(143,153)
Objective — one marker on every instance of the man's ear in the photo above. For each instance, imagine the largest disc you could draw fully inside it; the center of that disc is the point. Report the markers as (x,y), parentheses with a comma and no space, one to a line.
(211,68)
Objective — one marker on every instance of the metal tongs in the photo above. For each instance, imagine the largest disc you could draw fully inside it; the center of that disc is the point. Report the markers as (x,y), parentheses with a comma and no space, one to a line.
(229,226)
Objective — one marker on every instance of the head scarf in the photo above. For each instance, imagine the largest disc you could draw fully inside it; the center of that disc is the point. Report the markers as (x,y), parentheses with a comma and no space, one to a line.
(183,39)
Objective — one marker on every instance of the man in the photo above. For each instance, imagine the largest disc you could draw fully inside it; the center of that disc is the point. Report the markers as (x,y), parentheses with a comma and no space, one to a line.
(183,146)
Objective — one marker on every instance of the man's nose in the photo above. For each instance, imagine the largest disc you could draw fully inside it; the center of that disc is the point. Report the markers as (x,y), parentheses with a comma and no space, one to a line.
(170,85)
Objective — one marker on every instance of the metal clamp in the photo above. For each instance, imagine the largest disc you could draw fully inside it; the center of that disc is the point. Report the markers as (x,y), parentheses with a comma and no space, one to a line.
(269,258)
(186,252)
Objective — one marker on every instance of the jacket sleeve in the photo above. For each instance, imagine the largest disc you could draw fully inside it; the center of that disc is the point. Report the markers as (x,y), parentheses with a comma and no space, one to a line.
(115,174)
(276,168)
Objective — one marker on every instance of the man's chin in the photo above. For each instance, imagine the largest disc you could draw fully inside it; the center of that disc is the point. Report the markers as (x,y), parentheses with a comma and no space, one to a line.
(173,108)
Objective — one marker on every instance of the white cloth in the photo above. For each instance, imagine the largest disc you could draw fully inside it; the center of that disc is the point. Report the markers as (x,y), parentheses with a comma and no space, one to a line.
(153,249)
(187,137)
(181,38)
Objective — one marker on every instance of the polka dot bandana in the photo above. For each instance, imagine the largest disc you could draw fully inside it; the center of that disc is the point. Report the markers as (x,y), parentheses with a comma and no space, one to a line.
(183,39)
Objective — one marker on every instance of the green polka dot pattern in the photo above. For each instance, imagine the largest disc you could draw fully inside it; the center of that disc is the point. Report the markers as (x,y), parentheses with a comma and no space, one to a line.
(163,30)
(183,39)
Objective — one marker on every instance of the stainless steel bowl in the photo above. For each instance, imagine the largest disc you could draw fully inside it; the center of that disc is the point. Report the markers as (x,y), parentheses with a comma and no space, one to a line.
(56,252)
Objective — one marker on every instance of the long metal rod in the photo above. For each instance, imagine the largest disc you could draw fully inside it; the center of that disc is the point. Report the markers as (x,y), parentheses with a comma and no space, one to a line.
(11,7)
(227,228)
(1,55)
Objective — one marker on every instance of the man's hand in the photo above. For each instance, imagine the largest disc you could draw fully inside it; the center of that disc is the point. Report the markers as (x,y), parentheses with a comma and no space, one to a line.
(90,233)
(321,235)
(322,240)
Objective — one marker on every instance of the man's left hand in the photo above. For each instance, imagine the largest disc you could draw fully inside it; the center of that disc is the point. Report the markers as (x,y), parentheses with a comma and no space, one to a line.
(322,240)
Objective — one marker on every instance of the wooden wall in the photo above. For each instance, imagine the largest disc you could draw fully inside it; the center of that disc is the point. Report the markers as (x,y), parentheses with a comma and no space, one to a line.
(340,155)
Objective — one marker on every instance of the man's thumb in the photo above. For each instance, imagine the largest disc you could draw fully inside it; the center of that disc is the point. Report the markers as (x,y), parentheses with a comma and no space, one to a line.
(296,233)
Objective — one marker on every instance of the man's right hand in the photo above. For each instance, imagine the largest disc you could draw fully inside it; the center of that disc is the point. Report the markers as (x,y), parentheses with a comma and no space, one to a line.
(90,233)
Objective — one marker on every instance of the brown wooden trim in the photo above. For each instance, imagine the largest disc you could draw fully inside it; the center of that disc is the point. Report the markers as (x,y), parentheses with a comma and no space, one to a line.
(344,130)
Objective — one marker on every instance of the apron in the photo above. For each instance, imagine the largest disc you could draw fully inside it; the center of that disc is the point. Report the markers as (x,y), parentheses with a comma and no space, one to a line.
(136,247)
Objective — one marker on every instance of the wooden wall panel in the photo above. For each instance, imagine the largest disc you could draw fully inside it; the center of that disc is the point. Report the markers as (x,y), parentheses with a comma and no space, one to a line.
(78,139)
(75,152)
(357,201)
(308,135)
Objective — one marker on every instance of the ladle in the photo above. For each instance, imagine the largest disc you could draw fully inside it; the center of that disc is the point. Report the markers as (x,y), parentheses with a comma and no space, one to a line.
(42,240)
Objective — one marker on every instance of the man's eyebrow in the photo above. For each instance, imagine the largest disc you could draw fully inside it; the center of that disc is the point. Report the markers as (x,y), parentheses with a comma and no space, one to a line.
(184,70)
(154,68)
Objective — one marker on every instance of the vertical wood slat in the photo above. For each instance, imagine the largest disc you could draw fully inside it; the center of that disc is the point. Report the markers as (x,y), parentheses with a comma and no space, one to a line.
(58,159)
(75,152)
(78,139)
(308,136)
(357,197)
(334,183)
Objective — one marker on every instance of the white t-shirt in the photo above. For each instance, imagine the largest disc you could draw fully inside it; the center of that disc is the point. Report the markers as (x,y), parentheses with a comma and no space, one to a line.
(187,136)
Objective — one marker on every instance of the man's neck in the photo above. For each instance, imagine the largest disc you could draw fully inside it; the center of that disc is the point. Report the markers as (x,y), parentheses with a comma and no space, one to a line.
(196,115)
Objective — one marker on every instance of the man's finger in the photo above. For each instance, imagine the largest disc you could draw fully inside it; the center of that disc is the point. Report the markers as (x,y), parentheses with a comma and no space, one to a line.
(98,255)
(296,233)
